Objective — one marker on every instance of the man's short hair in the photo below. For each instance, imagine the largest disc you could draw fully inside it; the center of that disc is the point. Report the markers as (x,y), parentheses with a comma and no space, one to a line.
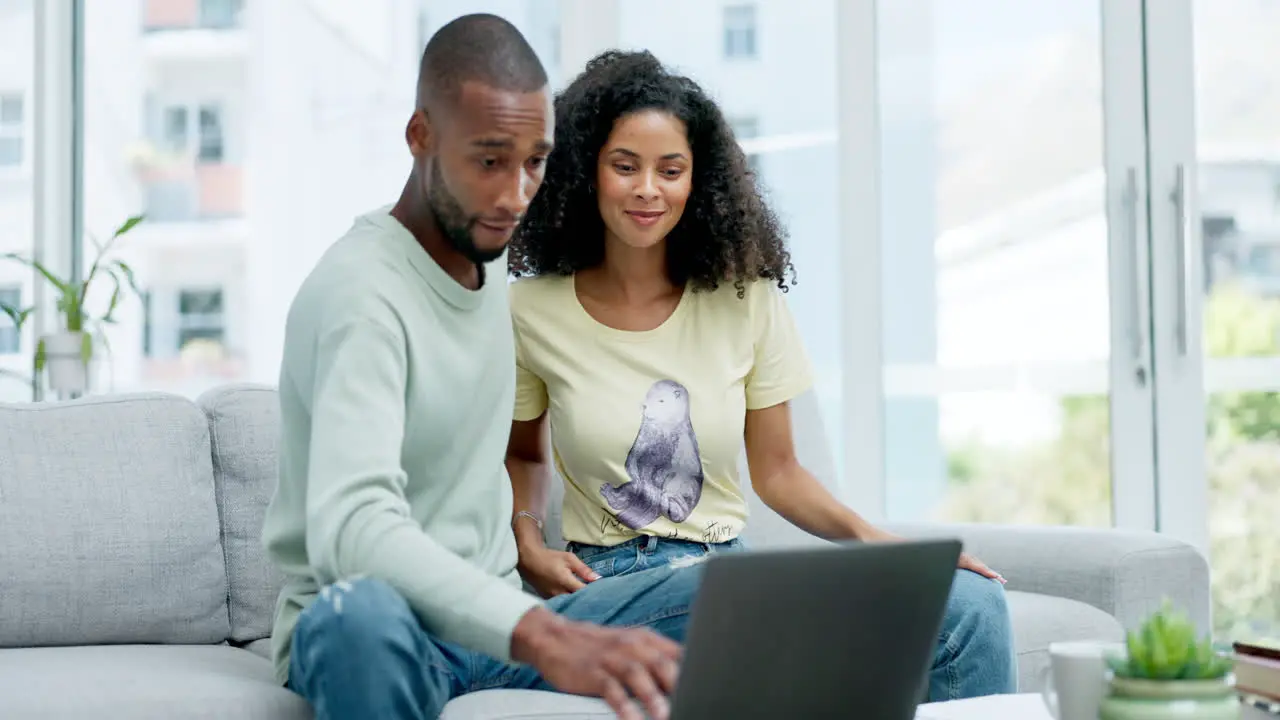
(479,47)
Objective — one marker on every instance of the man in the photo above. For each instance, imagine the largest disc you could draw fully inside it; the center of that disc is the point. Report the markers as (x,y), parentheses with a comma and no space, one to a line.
(392,519)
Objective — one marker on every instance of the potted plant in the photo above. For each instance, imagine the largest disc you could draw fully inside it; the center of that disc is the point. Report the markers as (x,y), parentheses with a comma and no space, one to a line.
(66,353)
(1169,673)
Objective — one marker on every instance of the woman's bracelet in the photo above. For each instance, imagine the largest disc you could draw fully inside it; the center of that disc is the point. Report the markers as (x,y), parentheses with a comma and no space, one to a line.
(531,516)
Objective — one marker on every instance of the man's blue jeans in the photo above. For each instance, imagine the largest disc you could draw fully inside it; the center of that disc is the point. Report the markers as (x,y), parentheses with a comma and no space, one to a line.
(359,651)
(975,654)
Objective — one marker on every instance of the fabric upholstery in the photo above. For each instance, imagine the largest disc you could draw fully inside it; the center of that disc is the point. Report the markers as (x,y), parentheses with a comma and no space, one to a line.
(108,524)
(244,432)
(143,682)
(1125,574)
(1042,619)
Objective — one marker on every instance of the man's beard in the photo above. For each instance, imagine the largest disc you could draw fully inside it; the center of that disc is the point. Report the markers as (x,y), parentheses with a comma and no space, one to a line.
(454,222)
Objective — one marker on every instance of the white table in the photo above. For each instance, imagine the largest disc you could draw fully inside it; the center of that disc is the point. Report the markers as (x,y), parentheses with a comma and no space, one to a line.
(1026,706)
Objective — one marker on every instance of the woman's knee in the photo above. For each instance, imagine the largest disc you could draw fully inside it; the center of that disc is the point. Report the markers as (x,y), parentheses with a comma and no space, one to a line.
(980,605)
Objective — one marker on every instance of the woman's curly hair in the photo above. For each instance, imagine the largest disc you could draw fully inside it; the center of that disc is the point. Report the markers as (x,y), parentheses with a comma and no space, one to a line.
(727,232)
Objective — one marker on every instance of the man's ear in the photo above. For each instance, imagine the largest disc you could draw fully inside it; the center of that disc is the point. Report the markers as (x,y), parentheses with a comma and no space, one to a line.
(418,133)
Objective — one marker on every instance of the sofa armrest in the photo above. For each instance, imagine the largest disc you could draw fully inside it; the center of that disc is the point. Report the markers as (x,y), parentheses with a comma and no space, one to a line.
(1121,572)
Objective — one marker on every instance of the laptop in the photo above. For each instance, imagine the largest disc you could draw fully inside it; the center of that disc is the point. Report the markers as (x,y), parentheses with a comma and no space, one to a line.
(842,631)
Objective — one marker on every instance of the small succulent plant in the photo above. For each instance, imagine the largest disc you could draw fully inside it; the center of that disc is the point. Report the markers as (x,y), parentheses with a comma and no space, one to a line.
(1165,647)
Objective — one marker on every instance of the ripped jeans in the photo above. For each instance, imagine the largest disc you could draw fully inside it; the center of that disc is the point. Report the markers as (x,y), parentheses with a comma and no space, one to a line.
(359,650)
(646,552)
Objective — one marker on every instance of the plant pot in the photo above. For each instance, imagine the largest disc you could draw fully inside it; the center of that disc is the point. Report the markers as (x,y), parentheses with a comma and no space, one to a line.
(64,362)
(1141,699)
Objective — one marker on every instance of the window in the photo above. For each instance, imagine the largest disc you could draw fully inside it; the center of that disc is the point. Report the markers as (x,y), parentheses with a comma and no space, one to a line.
(12,130)
(220,13)
(200,317)
(10,337)
(1239,449)
(192,175)
(176,131)
(977,291)
(740,31)
(210,134)
(174,319)
(173,133)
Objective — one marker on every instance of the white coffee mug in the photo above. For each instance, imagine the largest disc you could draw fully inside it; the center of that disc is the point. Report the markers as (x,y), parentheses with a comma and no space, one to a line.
(1076,679)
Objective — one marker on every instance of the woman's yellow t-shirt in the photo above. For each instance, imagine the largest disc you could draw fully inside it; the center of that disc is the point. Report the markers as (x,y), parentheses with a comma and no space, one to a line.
(647,427)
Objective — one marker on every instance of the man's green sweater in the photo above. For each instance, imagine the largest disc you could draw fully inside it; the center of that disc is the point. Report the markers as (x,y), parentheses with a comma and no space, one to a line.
(396,392)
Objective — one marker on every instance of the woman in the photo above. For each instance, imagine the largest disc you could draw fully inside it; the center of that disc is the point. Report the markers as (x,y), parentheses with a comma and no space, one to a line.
(652,333)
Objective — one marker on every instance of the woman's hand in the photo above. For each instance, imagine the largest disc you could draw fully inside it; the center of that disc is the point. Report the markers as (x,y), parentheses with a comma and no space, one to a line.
(552,572)
(967,561)
(973,564)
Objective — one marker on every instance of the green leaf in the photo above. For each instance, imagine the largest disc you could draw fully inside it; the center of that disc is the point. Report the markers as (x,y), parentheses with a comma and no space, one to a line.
(38,360)
(40,268)
(128,276)
(1119,665)
(103,251)
(1165,647)
(128,225)
(86,348)
(19,317)
(69,304)
(109,316)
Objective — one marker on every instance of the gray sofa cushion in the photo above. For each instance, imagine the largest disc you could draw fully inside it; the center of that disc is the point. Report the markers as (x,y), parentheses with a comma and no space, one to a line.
(244,428)
(1042,619)
(108,516)
(141,682)
(261,648)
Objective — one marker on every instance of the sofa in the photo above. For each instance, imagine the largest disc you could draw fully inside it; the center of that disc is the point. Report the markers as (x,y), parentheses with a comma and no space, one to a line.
(133,583)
